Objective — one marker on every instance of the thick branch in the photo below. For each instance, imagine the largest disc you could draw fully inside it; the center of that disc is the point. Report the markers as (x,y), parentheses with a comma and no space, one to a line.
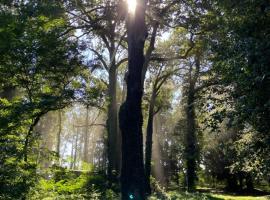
(149,50)
(100,58)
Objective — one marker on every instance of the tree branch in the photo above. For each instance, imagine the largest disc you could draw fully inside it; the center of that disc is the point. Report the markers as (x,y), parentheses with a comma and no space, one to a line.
(177,57)
(100,57)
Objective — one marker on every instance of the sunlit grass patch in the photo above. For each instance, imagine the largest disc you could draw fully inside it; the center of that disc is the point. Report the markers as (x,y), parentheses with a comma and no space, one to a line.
(175,195)
(230,197)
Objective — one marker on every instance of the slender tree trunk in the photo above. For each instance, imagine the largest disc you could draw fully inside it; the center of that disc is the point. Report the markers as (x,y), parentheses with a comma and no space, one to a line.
(59,135)
(28,137)
(191,140)
(72,152)
(76,150)
(130,115)
(240,178)
(148,144)
(86,136)
(112,126)
(26,148)
(158,168)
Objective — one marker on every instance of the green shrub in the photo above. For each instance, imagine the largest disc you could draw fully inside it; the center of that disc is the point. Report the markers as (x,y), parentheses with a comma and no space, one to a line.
(65,184)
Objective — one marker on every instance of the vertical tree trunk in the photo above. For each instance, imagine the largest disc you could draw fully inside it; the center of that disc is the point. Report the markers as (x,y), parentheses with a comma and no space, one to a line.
(232,183)
(148,144)
(158,168)
(191,147)
(59,135)
(130,115)
(112,126)
(249,183)
(72,151)
(76,150)
(26,148)
(240,178)
(86,136)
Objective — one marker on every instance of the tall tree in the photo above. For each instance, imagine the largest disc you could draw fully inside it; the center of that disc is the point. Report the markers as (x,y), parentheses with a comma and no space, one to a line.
(191,144)
(130,115)
(158,100)
(241,55)
(102,21)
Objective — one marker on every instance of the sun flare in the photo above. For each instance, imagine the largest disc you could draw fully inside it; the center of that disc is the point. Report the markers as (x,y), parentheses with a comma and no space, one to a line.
(131,6)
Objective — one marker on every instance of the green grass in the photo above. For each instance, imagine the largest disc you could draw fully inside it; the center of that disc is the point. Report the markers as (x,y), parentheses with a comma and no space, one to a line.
(230,197)
(174,195)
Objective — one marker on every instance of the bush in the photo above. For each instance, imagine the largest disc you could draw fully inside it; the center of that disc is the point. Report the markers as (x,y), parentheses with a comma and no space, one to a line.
(66,184)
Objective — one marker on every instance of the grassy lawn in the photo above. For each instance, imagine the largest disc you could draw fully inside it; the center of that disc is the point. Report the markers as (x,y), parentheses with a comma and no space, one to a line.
(230,197)
(175,195)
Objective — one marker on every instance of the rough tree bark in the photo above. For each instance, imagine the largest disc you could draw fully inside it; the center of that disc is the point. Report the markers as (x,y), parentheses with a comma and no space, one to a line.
(130,115)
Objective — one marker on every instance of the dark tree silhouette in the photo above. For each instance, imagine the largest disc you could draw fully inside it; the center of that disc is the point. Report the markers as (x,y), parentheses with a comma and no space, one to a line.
(130,115)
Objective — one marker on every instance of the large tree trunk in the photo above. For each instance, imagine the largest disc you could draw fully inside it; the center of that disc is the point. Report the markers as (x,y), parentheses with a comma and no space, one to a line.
(148,144)
(130,115)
